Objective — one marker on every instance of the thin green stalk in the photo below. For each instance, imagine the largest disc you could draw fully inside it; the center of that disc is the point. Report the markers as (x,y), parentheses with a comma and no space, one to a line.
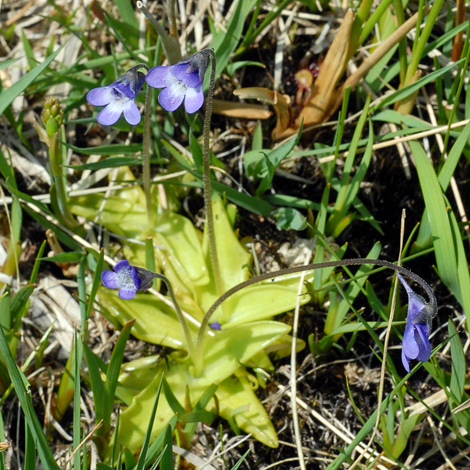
(423,39)
(270,17)
(146,161)
(374,18)
(361,16)
(456,95)
(309,267)
(400,14)
(179,313)
(206,165)
(198,358)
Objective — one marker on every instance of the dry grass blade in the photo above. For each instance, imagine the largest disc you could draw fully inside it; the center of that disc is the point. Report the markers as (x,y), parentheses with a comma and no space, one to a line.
(331,71)
(406,138)
(87,437)
(280,102)
(368,63)
(370,454)
(241,110)
(406,105)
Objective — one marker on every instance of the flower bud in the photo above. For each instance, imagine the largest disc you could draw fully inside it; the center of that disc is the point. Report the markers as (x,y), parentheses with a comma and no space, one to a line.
(52,115)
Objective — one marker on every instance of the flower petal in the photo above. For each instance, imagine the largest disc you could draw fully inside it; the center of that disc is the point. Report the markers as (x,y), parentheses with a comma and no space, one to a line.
(132,113)
(180,72)
(410,346)
(421,332)
(171,98)
(158,77)
(126,294)
(110,115)
(109,280)
(405,361)
(100,96)
(194,100)
(121,265)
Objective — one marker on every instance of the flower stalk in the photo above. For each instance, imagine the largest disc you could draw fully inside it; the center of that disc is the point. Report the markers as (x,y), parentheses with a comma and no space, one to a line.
(146,154)
(431,306)
(206,163)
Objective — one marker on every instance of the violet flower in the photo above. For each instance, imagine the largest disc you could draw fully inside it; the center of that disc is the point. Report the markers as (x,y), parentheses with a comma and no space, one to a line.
(118,98)
(418,327)
(128,279)
(181,81)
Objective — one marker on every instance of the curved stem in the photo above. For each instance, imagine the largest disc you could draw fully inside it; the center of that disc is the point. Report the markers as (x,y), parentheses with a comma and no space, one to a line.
(179,313)
(310,267)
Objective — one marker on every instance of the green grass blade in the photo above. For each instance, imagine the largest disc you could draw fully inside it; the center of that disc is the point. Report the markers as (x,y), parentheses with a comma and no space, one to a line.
(457,377)
(439,221)
(157,446)
(410,89)
(242,458)
(175,405)
(352,292)
(96,284)
(145,446)
(24,396)
(226,40)
(190,428)
(7,97)
(445,174)
(37,263)
(28,51)
(127,13)
(167,458)
(462,265)
(447,170)
(343,199)
(114,370)
(29,448)
(97,385)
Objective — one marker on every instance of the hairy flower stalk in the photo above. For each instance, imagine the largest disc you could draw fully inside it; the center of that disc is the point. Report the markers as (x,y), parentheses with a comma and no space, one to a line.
(207,178)
(183,83)
(430,307)
(147,152)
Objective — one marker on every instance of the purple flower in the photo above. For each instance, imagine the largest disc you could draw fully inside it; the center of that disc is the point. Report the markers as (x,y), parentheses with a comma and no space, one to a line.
(181,81)
(418,327)
(118,98)
(128,279)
